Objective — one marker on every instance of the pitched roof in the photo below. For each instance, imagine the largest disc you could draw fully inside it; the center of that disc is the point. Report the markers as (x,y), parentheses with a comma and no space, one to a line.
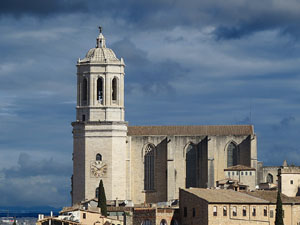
(224,196)
(271,196)
(238,168)
(195,130)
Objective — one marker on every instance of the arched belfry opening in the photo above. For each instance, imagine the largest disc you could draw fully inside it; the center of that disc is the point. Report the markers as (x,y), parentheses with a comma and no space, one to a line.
(270,178)
(114,89)
(232,154)
(191,166)
(100,90)
(84,91)
(149,167)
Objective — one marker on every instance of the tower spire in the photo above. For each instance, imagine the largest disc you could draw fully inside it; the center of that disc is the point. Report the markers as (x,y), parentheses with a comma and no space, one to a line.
(100,39)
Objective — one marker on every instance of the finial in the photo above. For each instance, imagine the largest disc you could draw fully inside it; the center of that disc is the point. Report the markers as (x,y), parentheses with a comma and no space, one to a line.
(100,29)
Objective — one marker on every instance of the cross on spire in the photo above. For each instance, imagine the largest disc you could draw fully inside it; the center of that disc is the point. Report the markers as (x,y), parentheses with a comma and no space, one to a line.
(100,29)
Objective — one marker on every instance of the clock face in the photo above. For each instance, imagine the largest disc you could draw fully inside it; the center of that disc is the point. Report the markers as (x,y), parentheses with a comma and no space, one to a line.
(98,169)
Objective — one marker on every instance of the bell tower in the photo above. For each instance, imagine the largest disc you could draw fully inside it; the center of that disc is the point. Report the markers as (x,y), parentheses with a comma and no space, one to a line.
(99,133)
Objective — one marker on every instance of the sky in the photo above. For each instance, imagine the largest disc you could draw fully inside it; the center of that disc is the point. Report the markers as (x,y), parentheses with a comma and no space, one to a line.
(187,62)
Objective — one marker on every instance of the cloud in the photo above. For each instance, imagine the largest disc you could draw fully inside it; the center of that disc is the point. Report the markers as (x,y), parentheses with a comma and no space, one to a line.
(27,167)
(35,182)
(284,123)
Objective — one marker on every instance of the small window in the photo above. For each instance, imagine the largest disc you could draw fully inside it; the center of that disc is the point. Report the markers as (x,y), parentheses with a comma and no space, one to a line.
(229,174)
(253,211)
(282,213)
(224,211)
(97,192)
(98,157)
(233,173)
(185,212)
(83,117)
(244,211)
(291,181)
(234,211)
(265,211)
(250,173)
(246,173)
(84,215)
(271,213)
(215,213)
(242,173)
(194,212)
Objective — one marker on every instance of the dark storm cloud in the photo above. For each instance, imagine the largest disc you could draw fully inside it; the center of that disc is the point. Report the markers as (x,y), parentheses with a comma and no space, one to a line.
(153,77)
(28,167)
(232,19)
(40,8)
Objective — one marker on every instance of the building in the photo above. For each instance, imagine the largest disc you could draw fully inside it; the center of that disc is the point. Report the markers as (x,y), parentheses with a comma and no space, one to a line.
(78,216)
(143,164)
(286,178)
(214,207)
(243,174)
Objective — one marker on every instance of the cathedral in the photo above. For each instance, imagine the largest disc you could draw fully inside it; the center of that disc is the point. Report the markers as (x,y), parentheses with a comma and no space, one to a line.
(143,164)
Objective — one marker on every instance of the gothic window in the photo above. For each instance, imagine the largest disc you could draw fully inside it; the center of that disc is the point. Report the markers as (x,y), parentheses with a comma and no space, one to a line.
(99,157)
(163,222)
(84,90)
(97,192)
(149,167)
(174,222)
(270,178)
(232,155)
(146,222)
(114,89)
(100,90)
(191,166)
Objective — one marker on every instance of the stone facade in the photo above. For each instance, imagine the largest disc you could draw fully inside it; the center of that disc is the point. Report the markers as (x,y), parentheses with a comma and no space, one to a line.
(289,180)
(214,207)
(145,164)
(243,174)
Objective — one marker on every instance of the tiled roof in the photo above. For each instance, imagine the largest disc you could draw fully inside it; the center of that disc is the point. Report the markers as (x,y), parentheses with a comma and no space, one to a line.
(238,168)
(271,196)
(224,196)
(200,130)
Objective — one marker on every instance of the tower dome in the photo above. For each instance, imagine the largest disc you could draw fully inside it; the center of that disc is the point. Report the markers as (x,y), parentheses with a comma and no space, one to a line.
(100,54)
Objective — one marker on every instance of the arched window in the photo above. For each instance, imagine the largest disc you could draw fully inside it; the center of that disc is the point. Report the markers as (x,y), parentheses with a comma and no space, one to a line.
(191,166)
(97,192)
(146,222)
(99,157)
(100,90)
(174,222)
(270,178)
(84,90)
(114,89)
(232,155)
(163,222)
(149,167)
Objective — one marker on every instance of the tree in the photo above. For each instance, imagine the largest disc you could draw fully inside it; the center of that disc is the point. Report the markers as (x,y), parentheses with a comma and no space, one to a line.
(102,199)
(279,213)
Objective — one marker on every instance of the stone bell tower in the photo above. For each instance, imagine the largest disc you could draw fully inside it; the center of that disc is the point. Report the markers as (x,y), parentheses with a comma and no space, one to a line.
(99,133)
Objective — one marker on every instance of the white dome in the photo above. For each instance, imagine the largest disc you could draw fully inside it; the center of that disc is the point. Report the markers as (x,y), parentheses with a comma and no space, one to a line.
(100,53)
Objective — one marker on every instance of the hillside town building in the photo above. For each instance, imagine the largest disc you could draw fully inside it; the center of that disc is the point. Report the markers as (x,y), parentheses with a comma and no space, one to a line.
(143,164)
